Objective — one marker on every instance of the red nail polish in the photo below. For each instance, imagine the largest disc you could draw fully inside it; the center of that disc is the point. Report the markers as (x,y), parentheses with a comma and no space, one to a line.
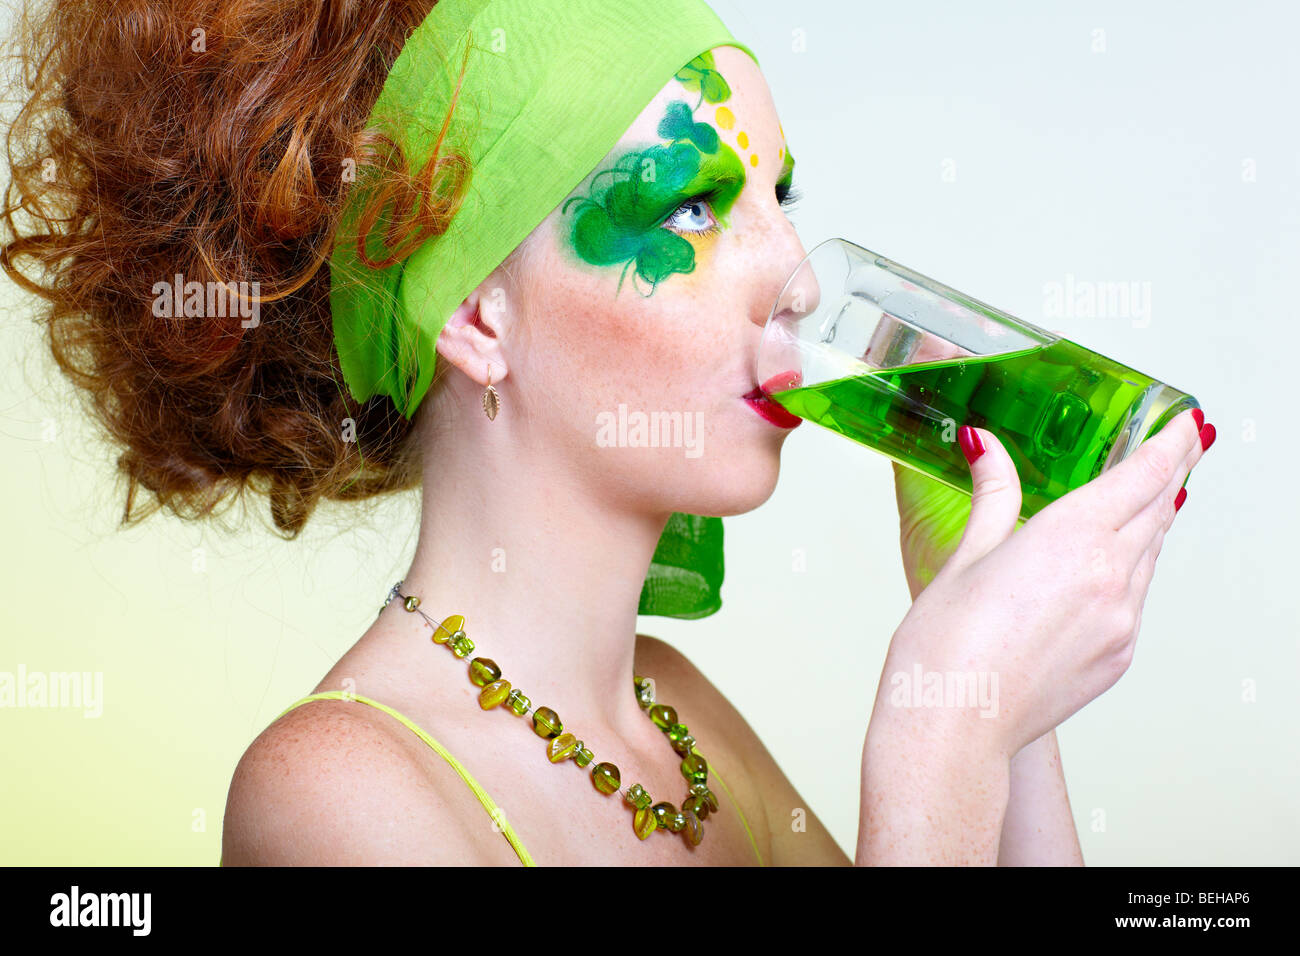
(1178,502)
(972,446)
(1198,416)
(1207,437)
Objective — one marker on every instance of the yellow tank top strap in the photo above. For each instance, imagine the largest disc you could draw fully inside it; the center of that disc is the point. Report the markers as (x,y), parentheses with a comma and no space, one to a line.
(473,784)
(483,797)
(713,772)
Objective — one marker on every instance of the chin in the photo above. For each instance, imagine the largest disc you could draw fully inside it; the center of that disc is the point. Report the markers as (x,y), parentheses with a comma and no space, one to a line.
(747,480)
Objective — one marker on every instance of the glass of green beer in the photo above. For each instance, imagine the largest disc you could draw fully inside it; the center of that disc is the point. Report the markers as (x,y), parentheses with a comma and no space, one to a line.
(897,361)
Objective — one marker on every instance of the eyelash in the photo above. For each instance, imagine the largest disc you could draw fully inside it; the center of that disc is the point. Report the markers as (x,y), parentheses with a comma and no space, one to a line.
(791,197)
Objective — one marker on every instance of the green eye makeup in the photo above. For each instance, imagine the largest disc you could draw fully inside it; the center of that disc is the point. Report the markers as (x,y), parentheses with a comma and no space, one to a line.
(621,219)
(629,212)
(786,194)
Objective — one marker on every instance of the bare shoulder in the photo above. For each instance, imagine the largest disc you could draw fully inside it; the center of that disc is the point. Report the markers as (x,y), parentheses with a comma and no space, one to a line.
(810,846)
(669,667)
(682,680)
(329,785)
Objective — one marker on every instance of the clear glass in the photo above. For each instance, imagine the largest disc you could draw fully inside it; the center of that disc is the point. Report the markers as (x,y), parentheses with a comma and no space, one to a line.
(898,362)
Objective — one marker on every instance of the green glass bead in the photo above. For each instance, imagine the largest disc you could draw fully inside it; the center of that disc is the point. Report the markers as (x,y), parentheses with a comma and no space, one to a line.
(581,755)
(697,771)
(605,778)
(695,768)
(702,790)
(483,671)
(696,805)
(493,694)
(683,746)
(663,716)
(644,822)
(561,748)
(412,602)
(692,829)
(452,625)
(637,796)
(645,691)
(546,723)
(678,732)
(461,645)
(518,702)
(664,812)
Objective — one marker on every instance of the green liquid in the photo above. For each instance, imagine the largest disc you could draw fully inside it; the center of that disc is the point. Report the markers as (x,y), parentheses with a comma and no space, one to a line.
(1058,410)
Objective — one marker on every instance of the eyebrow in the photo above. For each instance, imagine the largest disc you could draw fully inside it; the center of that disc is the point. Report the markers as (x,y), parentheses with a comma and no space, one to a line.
(718,170)
(713,170)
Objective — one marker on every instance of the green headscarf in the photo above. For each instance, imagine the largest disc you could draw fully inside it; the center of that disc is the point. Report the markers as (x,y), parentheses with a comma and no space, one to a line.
(549,88)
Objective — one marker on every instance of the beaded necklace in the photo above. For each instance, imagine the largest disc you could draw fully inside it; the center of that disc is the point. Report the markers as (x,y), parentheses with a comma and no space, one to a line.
(647,816)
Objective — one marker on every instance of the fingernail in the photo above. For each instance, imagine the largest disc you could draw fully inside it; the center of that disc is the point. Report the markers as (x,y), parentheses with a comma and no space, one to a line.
(1178,502)
(1198,416)
(971,444)
(1207,437)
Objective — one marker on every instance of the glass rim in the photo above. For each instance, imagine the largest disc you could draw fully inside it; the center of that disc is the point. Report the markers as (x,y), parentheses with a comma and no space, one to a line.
(794,273)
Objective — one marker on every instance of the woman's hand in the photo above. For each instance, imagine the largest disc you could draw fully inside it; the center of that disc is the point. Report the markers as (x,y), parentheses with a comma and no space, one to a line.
(1052,612)
(931,517)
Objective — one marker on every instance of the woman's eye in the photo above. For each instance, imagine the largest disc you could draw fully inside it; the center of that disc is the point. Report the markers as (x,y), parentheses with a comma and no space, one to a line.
(694,216)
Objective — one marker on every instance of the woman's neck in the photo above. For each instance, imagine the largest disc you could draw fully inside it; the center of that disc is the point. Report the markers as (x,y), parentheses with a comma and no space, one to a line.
(548,579)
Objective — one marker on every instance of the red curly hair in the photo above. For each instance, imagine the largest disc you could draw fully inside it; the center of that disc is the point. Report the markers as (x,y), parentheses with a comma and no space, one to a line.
(206,139)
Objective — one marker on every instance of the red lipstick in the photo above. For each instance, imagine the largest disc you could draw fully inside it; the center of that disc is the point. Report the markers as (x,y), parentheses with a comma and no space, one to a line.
(767,408)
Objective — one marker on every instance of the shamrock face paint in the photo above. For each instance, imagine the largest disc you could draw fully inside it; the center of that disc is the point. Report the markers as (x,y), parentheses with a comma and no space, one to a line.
(621,219)
(702,74)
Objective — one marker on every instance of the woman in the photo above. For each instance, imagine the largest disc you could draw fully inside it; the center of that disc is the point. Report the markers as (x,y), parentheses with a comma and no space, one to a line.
(532,530)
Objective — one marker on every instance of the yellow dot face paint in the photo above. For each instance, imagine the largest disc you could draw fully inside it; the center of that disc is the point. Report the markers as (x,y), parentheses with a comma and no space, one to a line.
(753,159)
(742,139)
(726,119)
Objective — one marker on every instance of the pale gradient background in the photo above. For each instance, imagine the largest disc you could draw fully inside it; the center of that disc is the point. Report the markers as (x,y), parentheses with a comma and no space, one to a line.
(996,149)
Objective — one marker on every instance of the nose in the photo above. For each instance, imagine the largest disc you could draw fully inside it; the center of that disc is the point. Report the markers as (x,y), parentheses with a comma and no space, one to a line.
(793,294)
(797,292)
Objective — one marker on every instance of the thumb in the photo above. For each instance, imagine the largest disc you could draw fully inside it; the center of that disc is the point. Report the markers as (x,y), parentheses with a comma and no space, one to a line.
(995,499)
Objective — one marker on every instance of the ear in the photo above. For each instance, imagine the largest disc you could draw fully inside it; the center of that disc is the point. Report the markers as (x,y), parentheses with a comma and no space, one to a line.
(473,337)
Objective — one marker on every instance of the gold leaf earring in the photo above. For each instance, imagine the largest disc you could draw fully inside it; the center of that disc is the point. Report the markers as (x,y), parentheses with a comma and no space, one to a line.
(491,400)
